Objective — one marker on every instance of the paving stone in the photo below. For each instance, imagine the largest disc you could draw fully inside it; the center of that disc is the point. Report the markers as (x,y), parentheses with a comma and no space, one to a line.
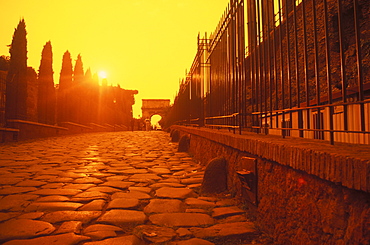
(116,178)
(183,232)
(194,186)
(100,235)
(169,192)
(87,180)
(123,203)
(89,195)
(32,215)
(189,181)
(226,202)
(60,216)
(63,239)
(61,180)
(227,230)
(84,172)
(118,184)
(160,170)
(165,206)
(54,186)
(8,215)
(193,241)
(154,234)
(180,173)
(16,190)
(55,198)
(226,211)
(24,228)
(62,192)
(52,206)
(195,210)
(234,218)
(9,181)
(79,186)
(144,177)
(135,171)
(123,217)
(101,227)
(169,184)
(16,202)
(170,179)
(46,177)
(72,175)
(131,194)
(123,240)
(28,183)
(105,189)
(70,226)
(181,219)
(140,189)
(198,203)
(94,205)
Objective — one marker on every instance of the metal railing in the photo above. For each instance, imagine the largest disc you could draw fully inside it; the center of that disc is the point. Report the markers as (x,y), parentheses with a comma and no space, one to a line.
(305,73)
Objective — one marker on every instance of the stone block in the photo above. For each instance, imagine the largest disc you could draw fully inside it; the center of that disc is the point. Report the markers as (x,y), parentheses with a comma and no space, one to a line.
(215,176)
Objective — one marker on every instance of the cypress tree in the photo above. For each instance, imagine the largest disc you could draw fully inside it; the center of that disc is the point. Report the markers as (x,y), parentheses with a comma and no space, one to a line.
(16,80)
(46,92)
(65,103)
(79,91)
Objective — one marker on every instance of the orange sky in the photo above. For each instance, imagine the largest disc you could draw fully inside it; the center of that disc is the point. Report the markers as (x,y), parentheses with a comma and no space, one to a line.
(140,44)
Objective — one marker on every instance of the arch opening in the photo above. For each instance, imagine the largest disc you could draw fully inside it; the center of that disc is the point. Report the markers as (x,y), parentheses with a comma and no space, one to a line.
(154,121)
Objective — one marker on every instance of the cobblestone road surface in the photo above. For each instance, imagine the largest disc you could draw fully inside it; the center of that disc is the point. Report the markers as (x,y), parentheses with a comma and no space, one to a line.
(111,188)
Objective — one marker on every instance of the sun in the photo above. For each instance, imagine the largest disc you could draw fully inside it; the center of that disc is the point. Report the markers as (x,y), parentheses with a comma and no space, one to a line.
(102,74)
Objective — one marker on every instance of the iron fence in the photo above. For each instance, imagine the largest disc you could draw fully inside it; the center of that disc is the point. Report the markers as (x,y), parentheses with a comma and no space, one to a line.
(297,68)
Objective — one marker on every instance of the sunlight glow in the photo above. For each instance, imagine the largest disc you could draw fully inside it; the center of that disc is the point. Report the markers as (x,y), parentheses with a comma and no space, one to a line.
(154,121)
(102,74)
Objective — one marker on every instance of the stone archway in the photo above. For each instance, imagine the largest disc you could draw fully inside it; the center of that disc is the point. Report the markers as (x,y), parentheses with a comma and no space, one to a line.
(152,107)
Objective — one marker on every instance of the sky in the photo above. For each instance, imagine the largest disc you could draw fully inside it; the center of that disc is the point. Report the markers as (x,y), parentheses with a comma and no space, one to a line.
(144,45)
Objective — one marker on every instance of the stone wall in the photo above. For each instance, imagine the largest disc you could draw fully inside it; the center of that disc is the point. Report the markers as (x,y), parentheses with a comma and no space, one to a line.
(309,192)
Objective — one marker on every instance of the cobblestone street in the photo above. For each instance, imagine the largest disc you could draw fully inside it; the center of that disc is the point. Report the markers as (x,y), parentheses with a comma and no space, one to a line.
(111,188)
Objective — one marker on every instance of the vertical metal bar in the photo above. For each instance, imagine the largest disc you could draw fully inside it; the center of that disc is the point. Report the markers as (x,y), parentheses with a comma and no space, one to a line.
(252,55)
(270,70)
(342,64)
(305,57)
(241,44)
(265,61)
(288,59)
(317,78)
(255,67)
(328,72)
(281,70)
(259,63)
(288,53)
(255,62)
(276,86)
(359,65)
(298,90)
(233,63)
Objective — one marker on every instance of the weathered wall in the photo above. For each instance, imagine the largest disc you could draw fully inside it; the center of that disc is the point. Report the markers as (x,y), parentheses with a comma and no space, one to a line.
(296,206)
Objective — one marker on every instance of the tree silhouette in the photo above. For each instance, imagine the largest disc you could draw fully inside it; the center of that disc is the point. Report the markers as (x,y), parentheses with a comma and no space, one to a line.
(78,91)
(16,81)
(65,102)
(46,91)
